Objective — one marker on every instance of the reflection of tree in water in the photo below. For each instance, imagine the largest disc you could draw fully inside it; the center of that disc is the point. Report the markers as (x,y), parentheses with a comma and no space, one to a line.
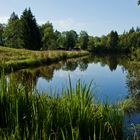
(133,80)
(69,65)
(133,84)
(27,78)
(110,60)
(133,76)
(30,76)
(83,65)
(46,73)
(75,63)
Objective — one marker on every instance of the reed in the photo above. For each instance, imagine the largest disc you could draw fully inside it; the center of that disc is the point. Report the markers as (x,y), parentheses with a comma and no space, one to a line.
(72,115)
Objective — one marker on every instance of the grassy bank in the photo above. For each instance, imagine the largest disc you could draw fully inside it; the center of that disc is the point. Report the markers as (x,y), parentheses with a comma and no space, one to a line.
(74,115)
(21,58)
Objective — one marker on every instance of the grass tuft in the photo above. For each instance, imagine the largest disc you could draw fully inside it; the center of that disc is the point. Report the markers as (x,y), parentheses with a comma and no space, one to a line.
(74,115)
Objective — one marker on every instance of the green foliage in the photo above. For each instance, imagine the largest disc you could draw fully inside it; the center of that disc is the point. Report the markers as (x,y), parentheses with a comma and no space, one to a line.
(104,41)
(130,39)
(2,28)
(13,32)
(25,33)
(62,41)
(113,39)
(91,43)
(48,36)
(70,39)
(30,31)
(57,39)
(132,30)
(97,41)
(19,58)
(83,40)
(72,116)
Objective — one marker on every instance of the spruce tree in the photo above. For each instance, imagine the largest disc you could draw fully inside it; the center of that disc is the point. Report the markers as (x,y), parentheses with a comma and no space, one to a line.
(30,31)
(113,39)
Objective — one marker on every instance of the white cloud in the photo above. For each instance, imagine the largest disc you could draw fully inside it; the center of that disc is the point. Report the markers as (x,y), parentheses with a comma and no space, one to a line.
(3,19)
(68,24)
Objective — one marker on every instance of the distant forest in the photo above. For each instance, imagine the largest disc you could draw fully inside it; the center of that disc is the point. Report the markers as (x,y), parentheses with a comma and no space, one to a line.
(24,32)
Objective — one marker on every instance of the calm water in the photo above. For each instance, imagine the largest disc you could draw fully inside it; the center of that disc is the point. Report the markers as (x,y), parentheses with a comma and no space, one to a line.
(109,80)
(114,79)
(108,85)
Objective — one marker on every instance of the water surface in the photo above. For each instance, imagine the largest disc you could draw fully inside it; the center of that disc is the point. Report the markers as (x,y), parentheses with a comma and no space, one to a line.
(108,85)
(114,78)
(108,76)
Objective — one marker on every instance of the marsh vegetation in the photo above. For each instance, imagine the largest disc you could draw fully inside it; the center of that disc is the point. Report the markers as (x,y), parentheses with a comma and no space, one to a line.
(71,111)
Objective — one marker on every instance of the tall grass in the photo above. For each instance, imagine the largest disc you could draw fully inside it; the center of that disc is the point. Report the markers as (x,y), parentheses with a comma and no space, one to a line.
(20,58)
(26,114)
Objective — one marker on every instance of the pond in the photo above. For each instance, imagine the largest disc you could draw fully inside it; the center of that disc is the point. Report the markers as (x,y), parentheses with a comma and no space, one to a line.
(107,74)
(114,78)
(107,84)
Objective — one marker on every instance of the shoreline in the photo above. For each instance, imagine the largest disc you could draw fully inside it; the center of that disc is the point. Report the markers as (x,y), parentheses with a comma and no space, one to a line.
(34,58)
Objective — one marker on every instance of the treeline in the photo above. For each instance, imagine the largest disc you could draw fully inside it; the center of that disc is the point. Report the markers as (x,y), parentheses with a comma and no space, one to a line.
(126,42)
(24,32)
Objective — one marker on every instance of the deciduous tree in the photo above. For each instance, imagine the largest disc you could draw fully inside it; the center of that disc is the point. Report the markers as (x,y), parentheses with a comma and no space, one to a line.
(83,40)
(2,27)
(13,32)
(71,39)
(49,39)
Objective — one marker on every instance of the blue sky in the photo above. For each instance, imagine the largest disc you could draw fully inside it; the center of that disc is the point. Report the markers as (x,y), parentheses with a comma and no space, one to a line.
(97,17)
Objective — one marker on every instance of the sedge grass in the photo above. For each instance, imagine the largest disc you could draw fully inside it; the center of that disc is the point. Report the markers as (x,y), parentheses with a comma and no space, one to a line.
(28,115)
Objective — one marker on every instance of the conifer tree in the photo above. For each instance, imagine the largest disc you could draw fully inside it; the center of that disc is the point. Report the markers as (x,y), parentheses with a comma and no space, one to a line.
(30,31)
